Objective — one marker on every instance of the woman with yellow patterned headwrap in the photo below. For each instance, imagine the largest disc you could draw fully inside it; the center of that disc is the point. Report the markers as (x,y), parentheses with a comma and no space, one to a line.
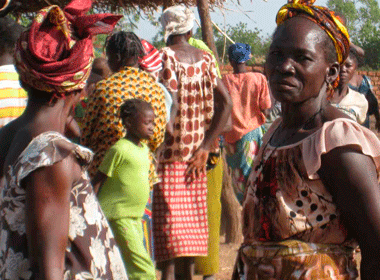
(313,191)
(51,223)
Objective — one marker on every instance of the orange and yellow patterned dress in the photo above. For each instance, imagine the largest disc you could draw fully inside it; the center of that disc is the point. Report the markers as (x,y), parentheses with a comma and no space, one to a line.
(102,126)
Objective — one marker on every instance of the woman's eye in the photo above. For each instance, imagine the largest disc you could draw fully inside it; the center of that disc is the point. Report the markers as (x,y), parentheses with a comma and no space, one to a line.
(302,57)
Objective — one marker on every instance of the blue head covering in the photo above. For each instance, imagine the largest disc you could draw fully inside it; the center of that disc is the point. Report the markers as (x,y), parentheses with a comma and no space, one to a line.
(239,52)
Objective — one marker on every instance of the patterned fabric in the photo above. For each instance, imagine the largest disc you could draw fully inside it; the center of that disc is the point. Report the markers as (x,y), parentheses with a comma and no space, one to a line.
(292,259)
(177,20)
(12,97)
(322,16)
(240,156)
(147,227)
(250,97)
(288,199)
(239,52)
(56,53)
(199,44)
(194,85)
(102,126)
(179,214)
(151,61)
(179,204)
(91,251)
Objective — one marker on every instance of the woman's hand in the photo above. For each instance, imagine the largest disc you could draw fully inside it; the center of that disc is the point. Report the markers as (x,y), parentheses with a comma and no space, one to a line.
(197,163)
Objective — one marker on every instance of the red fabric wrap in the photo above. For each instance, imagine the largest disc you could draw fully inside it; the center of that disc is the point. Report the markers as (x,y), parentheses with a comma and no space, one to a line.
(152,61)
(56,53)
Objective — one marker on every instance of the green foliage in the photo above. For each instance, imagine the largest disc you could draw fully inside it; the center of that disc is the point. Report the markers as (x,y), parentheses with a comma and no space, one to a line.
(240,33)
(363,22)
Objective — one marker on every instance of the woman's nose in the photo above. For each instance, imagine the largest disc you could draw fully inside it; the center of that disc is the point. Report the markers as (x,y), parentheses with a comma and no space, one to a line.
(286,66)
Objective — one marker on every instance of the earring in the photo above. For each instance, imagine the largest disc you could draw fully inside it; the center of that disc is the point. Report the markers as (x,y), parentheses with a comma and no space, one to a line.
(330,90)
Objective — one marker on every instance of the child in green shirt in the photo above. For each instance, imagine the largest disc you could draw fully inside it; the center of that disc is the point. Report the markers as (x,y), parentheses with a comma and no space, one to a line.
(123,187)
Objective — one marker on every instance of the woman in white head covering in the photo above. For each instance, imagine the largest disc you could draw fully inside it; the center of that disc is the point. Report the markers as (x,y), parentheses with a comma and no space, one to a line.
(179,203)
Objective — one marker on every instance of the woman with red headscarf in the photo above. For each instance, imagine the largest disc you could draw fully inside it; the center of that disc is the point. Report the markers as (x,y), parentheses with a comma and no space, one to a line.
(51,224)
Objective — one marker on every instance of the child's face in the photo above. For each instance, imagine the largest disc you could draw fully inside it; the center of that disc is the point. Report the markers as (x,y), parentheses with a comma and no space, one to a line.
(142,126)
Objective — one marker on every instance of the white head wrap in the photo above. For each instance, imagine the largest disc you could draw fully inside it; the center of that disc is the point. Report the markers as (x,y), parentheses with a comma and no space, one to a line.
(177,20)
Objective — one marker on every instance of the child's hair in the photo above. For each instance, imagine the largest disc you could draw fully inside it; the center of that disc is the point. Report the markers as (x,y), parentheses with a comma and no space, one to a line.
(131,107)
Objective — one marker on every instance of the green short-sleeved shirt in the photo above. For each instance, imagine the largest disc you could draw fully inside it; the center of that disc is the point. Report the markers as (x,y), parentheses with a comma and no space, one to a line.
(126,190)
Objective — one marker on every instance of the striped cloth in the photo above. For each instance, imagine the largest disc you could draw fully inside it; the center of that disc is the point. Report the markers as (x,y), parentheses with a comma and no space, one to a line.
(12,97)
(152,61)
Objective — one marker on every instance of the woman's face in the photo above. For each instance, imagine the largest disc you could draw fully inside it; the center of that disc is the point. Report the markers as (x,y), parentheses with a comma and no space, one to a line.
(296,65)
(347,70)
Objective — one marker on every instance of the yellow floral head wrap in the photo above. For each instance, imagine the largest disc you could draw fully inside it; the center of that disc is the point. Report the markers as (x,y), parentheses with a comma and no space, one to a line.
(322,16)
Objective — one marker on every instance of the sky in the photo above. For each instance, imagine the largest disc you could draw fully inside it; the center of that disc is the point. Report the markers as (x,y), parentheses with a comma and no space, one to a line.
(261,14)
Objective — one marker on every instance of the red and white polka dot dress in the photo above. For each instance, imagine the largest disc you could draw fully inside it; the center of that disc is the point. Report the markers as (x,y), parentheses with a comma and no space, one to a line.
(179,203)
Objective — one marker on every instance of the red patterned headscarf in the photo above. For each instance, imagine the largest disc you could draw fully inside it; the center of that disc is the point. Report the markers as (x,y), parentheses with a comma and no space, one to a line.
(56,53)
(322,16)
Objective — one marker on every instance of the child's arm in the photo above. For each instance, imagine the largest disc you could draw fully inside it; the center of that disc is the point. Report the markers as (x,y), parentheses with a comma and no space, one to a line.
(98,180)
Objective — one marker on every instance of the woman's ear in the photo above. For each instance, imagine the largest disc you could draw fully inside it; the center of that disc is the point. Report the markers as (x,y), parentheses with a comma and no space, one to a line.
(332,73)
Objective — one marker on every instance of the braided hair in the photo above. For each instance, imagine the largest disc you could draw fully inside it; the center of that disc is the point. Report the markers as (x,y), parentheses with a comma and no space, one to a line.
(126,44)
(132,107)
(10,31)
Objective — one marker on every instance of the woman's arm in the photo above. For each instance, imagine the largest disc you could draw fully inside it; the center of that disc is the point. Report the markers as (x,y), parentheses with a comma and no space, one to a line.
(223,105)
(351,178)
(47,216)
(98,180)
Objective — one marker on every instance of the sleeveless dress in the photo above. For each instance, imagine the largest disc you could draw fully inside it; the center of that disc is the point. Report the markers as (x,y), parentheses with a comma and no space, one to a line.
(292,228)
(91,251)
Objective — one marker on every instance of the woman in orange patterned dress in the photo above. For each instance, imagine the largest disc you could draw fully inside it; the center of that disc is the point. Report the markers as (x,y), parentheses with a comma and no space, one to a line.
(179,203)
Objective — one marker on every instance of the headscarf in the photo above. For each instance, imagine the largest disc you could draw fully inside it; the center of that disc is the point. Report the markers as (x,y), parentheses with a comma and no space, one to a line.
(56,53)
(239,52)
(177,20)
(322,16)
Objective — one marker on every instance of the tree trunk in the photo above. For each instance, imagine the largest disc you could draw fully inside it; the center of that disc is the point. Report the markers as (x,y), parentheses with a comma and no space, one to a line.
(206,25)
(231,209)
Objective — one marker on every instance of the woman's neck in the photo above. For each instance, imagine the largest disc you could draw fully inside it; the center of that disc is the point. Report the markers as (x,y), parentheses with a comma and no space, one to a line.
(339,93)
(48,117)
(178,40)
(240,68)
(294,116)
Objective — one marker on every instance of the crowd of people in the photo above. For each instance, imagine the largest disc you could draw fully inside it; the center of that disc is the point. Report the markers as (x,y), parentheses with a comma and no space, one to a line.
(111,167)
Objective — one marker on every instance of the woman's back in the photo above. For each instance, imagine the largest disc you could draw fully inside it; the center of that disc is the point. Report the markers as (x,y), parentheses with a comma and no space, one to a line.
(193,82)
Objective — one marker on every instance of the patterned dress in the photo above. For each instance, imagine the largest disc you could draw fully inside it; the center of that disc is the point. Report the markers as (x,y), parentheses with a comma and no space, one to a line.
(292,228)
(102,126)
(250,97)
(179,203)
(91,251)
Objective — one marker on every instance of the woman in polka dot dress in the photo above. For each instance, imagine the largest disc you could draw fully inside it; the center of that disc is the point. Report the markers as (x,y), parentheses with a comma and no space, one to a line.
(179,204)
